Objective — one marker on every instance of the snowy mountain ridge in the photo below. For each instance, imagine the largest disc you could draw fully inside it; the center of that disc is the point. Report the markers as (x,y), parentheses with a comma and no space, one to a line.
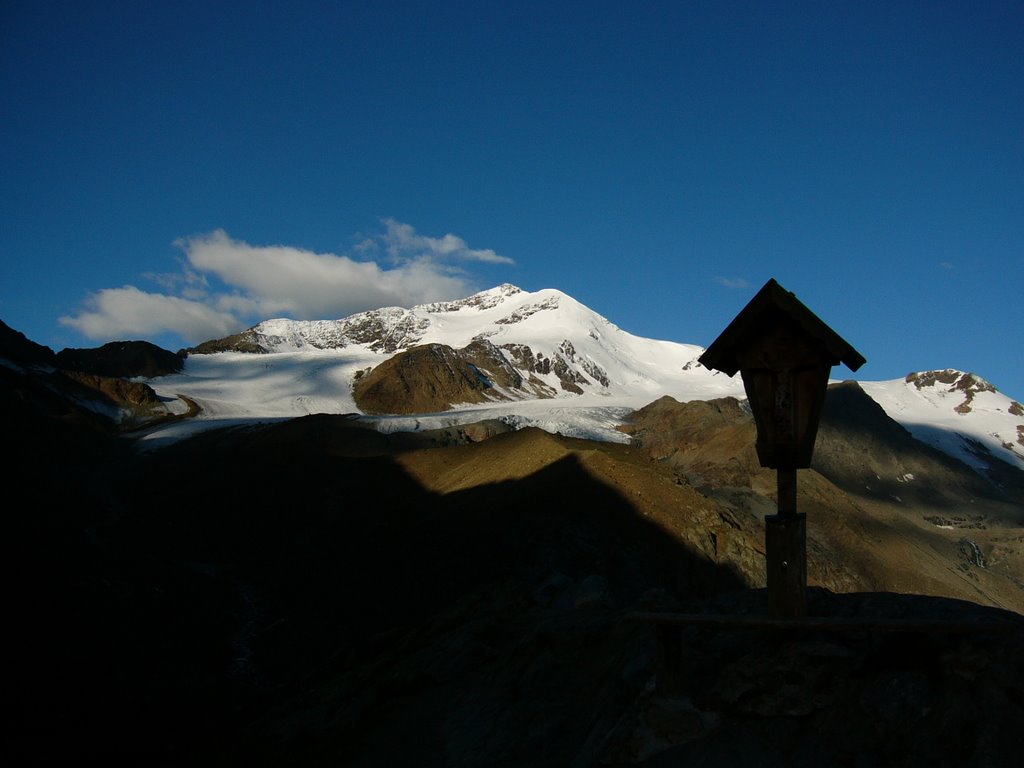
(390,329)
(957,412)
(582,375)
(565,350)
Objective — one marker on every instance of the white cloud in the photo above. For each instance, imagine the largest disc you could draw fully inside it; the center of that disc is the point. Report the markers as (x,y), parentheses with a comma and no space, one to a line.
(262,282)
(402,242)
(730,282)
(128,313)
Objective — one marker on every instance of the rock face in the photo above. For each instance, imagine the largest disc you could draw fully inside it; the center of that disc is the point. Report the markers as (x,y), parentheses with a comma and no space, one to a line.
(386,330)
(433,377)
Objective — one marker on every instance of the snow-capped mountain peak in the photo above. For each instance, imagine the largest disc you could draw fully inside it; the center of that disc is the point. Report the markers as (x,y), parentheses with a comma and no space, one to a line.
(547,334)
(537,357)
(526,350)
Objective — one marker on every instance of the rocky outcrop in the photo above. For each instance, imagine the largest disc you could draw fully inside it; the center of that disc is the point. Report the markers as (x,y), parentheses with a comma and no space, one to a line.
(954,381)
(434,377)
(710,442)
(482,300)
(424,379)
(122,359)
(528,311)
(119,391)
(246,341)
(386,330)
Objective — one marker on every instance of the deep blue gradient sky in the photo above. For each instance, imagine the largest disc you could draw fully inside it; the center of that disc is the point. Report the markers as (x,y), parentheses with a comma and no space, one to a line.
(172,168)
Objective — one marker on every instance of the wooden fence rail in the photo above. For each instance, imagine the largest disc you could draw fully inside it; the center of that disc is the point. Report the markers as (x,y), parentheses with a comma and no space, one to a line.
(669,633)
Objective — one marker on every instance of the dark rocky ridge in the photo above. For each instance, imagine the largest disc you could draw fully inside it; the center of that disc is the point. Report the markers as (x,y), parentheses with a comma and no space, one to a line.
(17,347)
(814,698)
(118,359)
(121,359)
(88,385)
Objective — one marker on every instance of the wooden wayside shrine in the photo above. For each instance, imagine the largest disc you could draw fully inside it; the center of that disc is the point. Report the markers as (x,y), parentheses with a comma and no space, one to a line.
(785,354)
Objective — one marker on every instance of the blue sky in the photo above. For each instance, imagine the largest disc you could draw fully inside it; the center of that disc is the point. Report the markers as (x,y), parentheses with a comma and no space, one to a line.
(174,171)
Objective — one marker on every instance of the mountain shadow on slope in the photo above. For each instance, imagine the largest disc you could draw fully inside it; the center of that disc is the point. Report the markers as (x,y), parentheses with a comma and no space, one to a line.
(519,584)
(316,592)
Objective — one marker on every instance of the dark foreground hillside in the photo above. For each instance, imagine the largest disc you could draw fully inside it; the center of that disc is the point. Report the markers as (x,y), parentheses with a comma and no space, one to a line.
(315,593)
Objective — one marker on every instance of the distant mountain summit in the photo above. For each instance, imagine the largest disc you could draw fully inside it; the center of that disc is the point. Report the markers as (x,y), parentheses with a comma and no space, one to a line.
(499,345)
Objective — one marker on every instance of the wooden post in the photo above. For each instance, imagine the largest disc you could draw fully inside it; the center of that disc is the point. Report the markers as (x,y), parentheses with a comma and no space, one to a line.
(785,480)
(785,543)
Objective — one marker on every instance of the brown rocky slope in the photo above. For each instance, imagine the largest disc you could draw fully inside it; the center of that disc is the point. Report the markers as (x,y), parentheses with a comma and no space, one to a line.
(885,511)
